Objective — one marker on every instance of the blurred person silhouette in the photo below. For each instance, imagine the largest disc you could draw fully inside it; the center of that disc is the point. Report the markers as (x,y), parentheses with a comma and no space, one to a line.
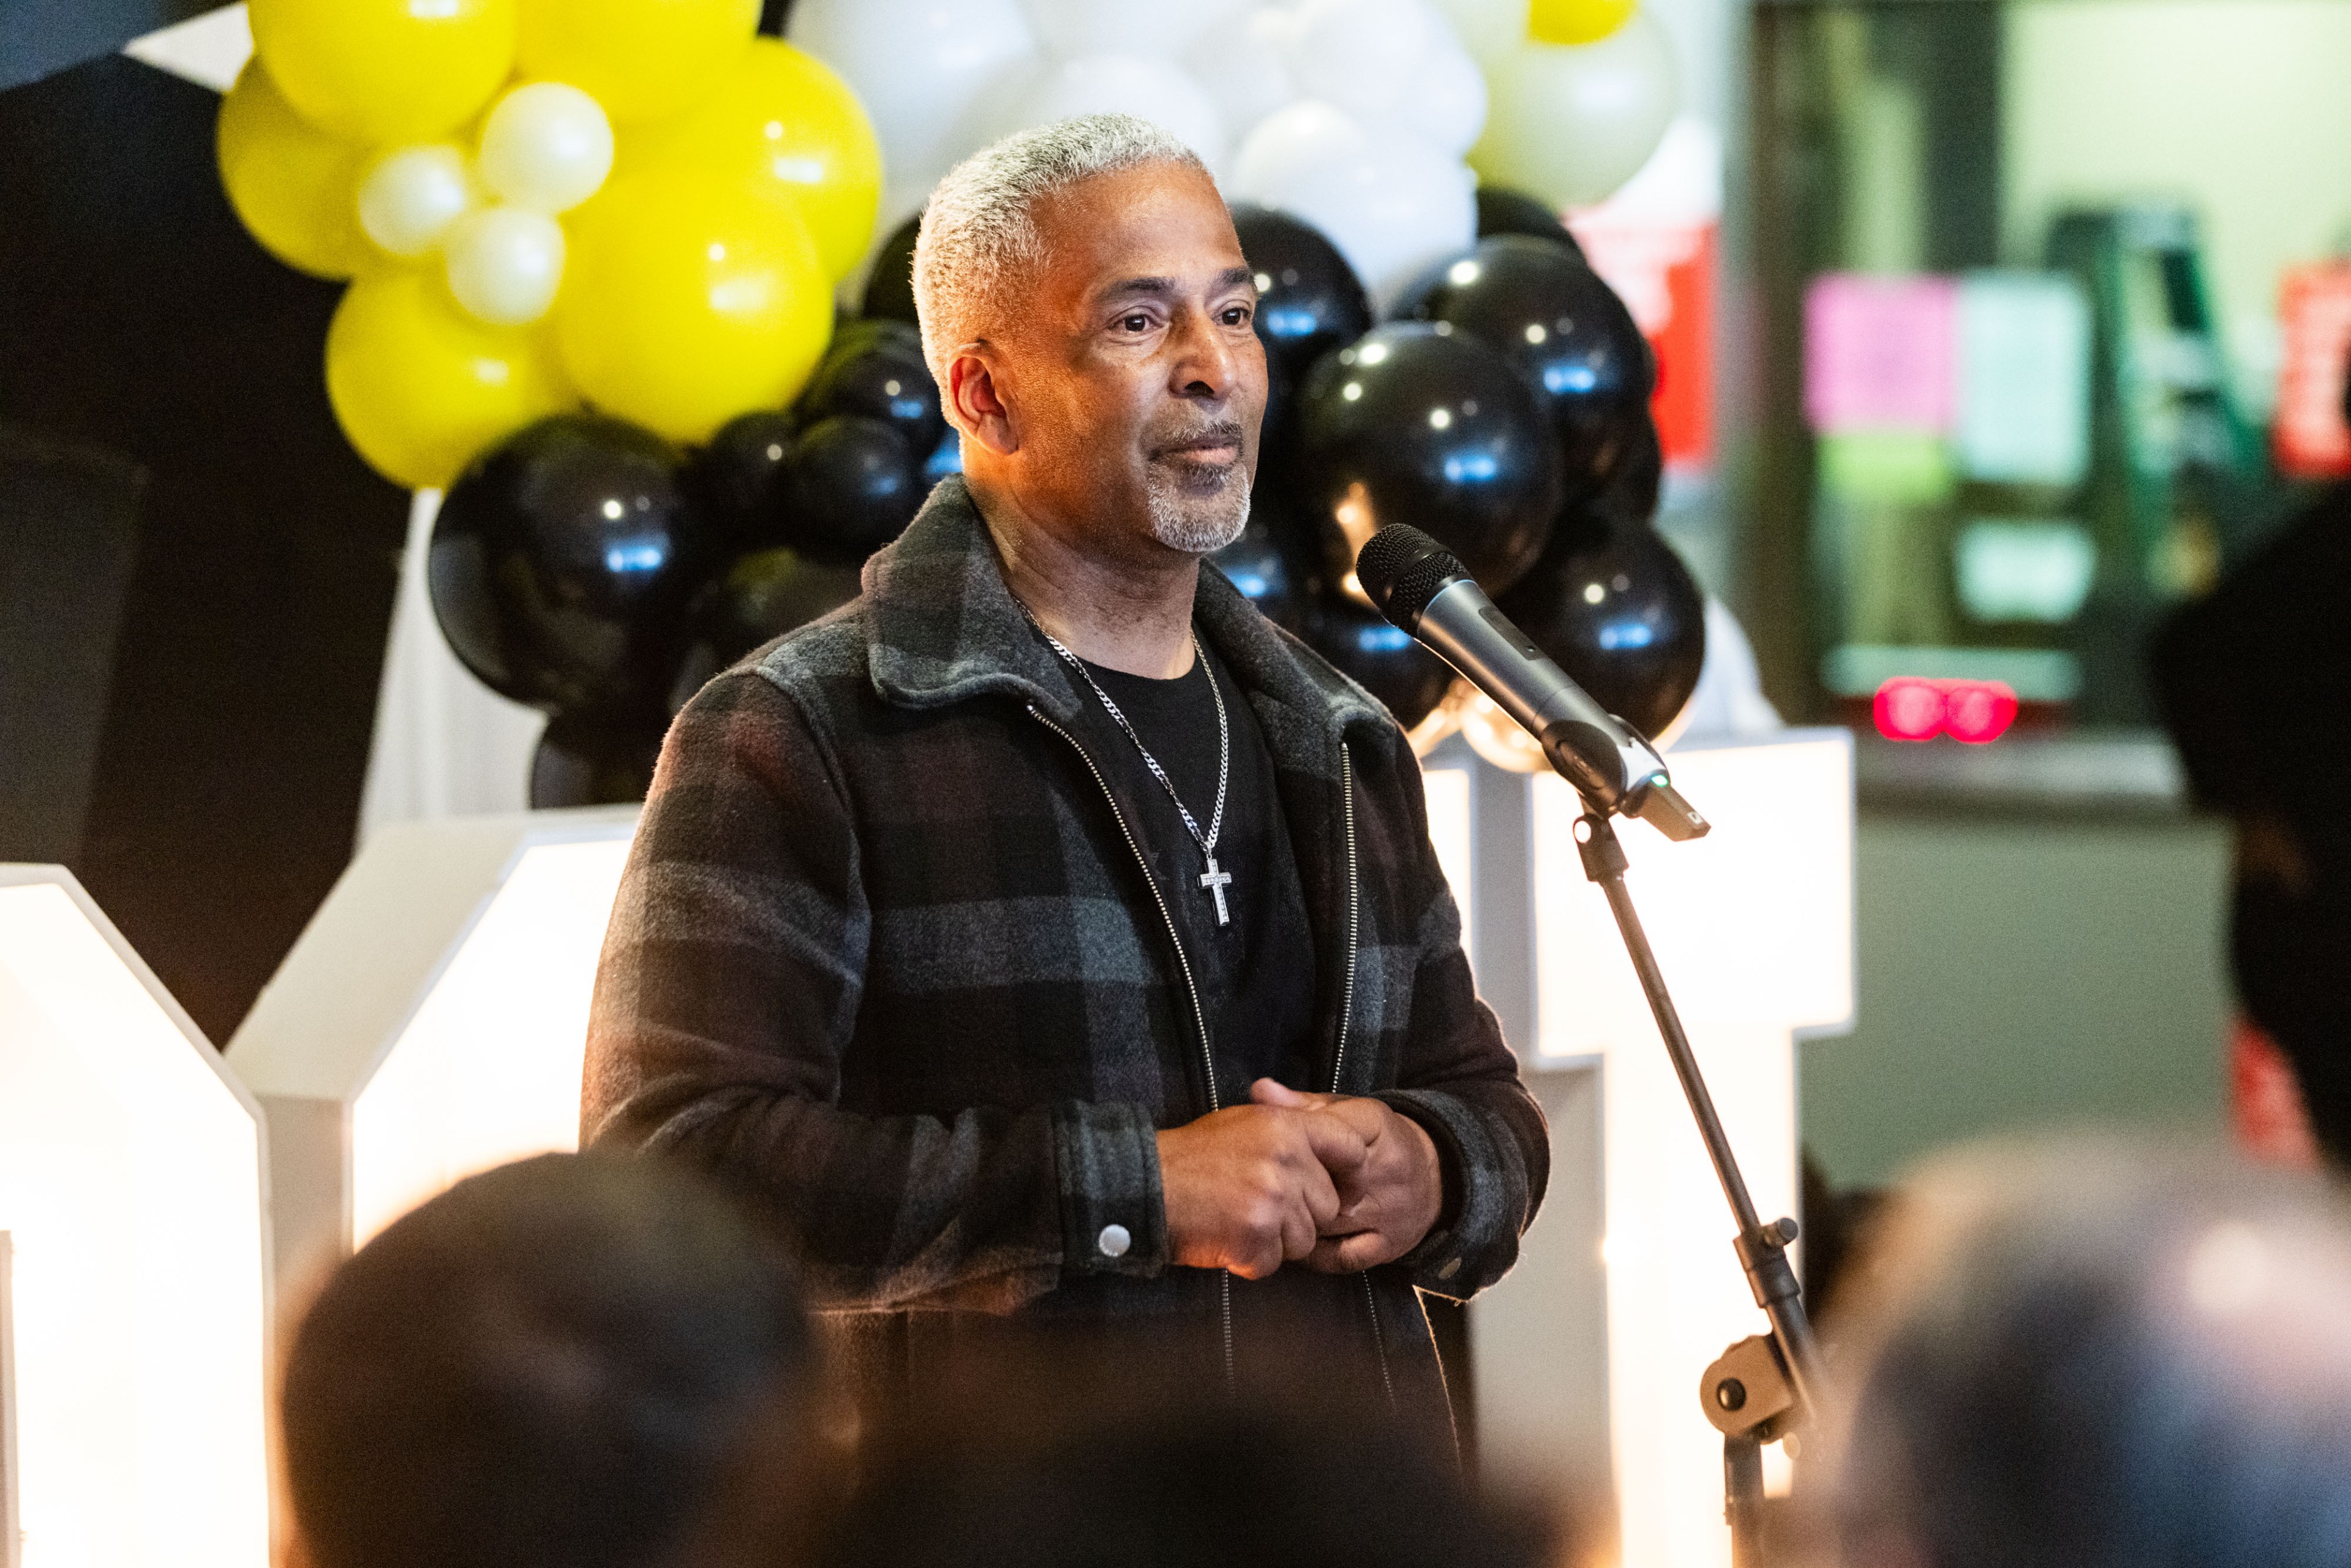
(569,1362)
(1070,1455)
(2095,1355)
(2253,682)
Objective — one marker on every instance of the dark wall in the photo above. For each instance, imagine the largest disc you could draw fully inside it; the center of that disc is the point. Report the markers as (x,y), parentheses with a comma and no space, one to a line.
(177,510)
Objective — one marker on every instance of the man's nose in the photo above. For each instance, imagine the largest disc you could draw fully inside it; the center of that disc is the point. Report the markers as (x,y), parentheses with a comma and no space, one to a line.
(1206,365)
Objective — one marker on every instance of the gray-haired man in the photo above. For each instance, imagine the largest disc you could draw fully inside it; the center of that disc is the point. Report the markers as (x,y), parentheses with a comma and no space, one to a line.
(1045,937)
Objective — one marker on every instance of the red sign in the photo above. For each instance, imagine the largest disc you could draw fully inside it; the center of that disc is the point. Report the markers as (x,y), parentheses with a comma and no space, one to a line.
(1665,272)
(1909,708)
(2315,309)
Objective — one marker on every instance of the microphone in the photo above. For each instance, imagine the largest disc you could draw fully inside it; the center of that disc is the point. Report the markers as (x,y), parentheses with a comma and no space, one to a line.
(1423,588)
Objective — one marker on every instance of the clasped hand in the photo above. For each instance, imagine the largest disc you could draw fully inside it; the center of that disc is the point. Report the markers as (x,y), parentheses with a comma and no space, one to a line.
(1334,1182)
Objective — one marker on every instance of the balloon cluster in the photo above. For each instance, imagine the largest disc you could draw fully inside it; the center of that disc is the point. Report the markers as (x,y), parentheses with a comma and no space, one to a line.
(591,567)
(630,204)
(1353,116)
(1504,409)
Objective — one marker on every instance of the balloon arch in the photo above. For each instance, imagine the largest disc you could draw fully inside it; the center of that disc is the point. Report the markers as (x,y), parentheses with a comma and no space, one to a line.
(601,255)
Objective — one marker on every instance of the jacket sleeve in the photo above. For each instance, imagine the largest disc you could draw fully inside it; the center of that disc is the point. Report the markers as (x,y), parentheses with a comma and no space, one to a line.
(728,989)
(1460,1081)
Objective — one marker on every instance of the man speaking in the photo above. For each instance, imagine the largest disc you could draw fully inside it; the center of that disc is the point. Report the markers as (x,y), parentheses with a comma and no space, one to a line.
(1046,938)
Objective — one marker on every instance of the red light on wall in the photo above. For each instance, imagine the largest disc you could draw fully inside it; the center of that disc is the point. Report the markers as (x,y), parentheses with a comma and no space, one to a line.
(1910,708)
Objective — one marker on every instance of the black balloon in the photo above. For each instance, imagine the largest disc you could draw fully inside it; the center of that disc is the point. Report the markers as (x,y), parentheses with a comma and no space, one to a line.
(1624,617)
(1507,212)
(1626,498)
(876,370)
(1564,329)
(562,561)
(1381,658)
(855,483)
(1416,423)
(1266,569)
(1309,300)
(890,286)
(595,758)
(759,598)
(740,478)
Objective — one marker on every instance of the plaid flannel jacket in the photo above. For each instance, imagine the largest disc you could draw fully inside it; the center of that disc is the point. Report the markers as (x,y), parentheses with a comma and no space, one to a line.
(886,955)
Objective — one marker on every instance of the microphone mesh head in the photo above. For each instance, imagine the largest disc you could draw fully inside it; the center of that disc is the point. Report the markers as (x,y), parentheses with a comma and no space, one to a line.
(1402,570)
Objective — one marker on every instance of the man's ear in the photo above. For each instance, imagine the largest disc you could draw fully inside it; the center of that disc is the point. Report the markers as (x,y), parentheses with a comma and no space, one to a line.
(976,403)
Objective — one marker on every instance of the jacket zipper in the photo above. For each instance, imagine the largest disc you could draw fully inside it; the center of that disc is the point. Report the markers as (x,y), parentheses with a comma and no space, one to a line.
(1346,1021)
(1199,1014)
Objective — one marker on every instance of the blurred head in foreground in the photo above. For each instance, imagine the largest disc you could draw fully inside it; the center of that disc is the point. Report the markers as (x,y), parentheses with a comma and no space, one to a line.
(1138,1474)
(574,1361)
(2090,1355)
(2253,682)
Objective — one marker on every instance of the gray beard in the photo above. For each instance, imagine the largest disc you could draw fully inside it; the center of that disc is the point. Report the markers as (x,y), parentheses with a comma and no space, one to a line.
(1200,527)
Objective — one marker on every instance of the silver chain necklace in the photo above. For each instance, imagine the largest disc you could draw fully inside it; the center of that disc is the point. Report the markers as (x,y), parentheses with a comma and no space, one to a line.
(1212,880)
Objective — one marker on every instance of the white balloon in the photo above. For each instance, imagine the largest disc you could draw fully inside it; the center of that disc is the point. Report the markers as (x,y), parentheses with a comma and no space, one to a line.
(1388,200)
(1362,56)
(918,65)
(1491,30)
(1153,90)
(1244,67)
(547,146)
(505,262)
(410,196)
(1076,28)
(1446,103)
(1571,124)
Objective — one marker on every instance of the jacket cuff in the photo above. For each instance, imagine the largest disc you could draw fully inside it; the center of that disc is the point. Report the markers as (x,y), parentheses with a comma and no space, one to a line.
(1443,1263)
(1114,1215)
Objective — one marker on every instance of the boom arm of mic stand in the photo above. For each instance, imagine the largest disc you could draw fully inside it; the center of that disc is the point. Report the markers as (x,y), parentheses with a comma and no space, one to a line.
(1762,1249)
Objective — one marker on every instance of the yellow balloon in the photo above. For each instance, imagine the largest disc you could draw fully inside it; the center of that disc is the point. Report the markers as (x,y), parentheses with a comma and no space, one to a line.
(419,387)
(1577,21)
(386,70)
(642,60)
(795,131)
(289,182)
(687,300)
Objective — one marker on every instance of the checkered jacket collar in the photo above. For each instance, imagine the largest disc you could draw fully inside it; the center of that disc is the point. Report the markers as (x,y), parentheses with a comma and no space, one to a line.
(942,628)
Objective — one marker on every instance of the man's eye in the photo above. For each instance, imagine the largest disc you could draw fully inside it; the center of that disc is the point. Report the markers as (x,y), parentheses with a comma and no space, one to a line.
(1237,316)
(1135,323)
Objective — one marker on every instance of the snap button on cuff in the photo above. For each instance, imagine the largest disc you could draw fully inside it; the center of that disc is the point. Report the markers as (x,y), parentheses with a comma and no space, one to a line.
(1113,1242)
(1451,1267)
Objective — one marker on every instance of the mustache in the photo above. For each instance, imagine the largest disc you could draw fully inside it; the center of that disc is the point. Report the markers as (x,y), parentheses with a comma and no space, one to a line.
(1218,433)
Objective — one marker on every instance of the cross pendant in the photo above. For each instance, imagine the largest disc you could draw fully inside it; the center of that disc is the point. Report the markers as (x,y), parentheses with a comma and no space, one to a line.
(1214,881)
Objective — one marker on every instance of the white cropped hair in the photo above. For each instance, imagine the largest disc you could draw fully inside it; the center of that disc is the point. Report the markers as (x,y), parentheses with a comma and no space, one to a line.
(978,231)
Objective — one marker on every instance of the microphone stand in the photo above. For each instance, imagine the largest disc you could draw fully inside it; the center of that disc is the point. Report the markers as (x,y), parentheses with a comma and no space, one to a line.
(1763,1388)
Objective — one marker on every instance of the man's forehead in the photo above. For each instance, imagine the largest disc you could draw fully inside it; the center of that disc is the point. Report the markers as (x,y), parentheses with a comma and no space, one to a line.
(1158,228)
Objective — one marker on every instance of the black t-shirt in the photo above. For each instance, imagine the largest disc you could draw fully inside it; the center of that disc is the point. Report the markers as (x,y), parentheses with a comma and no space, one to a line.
(1256,974)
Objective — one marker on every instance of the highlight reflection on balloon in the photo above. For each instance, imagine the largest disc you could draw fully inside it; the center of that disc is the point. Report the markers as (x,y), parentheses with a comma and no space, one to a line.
(1419,424)
(561,562)
(1564,329)
(855,483)
(689,300)
(740,479)
(876,370)
(1382,659)
(1309,300)
(1266,569)
(1624,617)
(382,72)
